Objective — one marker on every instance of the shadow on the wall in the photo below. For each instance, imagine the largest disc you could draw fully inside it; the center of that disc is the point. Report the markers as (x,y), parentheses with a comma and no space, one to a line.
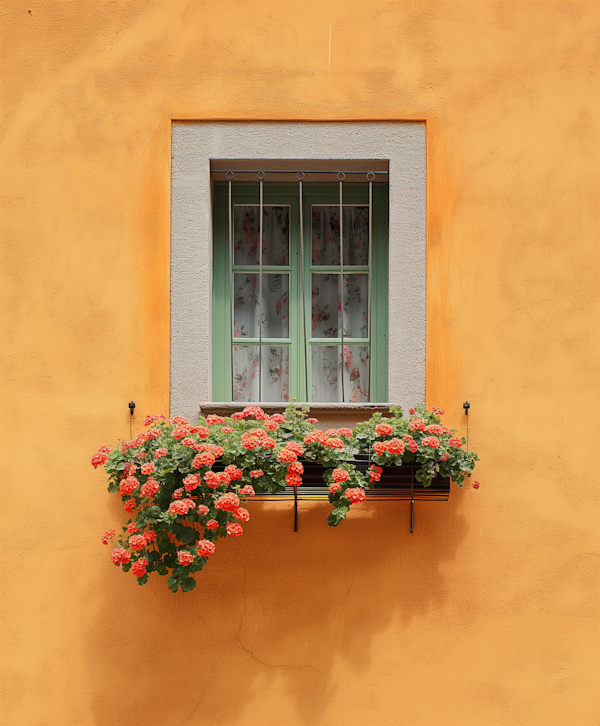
(275,616)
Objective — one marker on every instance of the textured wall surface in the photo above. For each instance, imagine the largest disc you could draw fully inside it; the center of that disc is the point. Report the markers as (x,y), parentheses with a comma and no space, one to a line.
(488,613)
(194,144)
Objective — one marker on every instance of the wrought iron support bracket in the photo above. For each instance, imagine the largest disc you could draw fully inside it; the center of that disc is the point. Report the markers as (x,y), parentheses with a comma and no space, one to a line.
(295,509)
(412,497)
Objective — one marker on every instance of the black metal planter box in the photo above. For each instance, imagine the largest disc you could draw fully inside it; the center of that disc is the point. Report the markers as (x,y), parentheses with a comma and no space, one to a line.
(397,482)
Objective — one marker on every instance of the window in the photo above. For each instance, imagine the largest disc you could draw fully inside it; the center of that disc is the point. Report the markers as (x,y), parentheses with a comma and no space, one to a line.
(194,302)
(309,318)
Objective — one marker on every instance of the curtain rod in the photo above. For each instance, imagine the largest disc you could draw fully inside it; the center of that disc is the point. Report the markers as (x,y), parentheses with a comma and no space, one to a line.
(260,173)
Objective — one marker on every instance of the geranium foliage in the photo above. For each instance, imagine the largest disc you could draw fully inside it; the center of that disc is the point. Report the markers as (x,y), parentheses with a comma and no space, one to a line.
(184,485)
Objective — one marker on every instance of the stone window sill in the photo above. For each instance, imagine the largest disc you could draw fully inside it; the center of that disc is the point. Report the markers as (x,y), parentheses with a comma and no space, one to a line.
(329,414)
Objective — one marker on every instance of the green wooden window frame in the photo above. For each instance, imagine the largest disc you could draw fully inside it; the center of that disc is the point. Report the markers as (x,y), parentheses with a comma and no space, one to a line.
(286,193)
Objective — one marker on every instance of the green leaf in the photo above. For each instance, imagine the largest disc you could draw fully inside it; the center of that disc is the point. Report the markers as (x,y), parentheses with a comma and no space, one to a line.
(187,535)
(336,516)
(173,583)
(187,584)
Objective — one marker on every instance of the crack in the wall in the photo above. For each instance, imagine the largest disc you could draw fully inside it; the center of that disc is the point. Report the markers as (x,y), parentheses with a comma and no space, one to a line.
(201,696)
(277,665)
(248,650)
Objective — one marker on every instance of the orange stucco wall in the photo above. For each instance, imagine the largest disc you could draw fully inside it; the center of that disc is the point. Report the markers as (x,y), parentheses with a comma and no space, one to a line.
(488,614)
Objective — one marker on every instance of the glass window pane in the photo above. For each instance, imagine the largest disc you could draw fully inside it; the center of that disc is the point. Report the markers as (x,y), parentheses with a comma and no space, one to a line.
(356,235)
(356,306)
(245,373)
(325,366)
(356,373)
(275,373)
(245,305)
(276,235)
(326,235)
(275,313)
(325,312)
(245,235)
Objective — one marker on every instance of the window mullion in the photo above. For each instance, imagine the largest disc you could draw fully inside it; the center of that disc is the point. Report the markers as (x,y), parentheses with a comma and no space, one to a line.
(303,292)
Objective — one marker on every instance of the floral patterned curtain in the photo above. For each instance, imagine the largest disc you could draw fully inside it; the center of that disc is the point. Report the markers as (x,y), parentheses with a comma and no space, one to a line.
(339,305)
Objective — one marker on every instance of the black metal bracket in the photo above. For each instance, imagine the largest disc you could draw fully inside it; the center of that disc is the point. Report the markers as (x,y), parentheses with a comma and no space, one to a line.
(131,407)
(295,509)
(412,498)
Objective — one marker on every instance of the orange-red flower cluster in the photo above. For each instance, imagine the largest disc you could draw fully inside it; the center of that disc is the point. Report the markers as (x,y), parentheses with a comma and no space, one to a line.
(185,557)
(375,472)
(139,568)
(137,542)
(191,482)
(205,548)
(393,446)
(181,432)
(108,535)
(412,444)
(339,475)
(355,495)
(101,456)
(286,456)
(233,472)
(204,459)
(242,514)
(119,556)
(150,488)
(128,485)
(228,502)
(293,480)
(182,506)
(315,437)
(255,438)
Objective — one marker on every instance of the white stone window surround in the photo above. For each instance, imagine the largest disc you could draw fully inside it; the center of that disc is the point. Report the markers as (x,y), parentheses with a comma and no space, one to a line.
(194,143)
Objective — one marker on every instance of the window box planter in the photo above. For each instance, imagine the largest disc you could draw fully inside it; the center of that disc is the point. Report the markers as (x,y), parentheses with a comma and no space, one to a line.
(184,485)
(396,483)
